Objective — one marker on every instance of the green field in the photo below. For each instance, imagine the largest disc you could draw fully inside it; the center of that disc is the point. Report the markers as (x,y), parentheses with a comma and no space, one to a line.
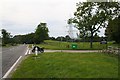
(57,45)
(68,65)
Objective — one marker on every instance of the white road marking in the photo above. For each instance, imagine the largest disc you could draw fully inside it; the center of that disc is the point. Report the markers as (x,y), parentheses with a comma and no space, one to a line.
(29,52)
(8,72)
(26,52)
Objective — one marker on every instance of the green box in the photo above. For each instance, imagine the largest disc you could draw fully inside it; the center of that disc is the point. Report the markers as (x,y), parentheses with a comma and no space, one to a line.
(74,46)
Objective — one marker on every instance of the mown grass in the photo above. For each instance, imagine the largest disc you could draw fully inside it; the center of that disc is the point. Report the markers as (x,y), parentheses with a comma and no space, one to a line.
(68,65)
(57,45)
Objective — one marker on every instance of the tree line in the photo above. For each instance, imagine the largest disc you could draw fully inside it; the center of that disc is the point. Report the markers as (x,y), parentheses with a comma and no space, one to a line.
(40,34)
(39,37)
(85,39)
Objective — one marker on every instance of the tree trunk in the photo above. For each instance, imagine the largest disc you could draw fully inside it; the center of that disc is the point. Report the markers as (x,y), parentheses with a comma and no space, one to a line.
(91,40)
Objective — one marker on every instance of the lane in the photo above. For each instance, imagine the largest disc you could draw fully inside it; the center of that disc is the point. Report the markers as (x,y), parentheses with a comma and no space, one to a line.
(10,55)
(0,62)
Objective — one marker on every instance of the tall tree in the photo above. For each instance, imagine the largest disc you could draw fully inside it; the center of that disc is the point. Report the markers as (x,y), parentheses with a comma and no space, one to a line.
(41,33)
(5,37)
(91,16)
(113,30)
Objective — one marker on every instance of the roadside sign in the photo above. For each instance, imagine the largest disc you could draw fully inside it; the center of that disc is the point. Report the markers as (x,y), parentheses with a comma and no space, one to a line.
(74,46)
(103,42)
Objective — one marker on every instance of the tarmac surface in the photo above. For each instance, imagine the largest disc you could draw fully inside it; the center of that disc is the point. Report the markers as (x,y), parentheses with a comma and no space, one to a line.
(0,57)
(10,55)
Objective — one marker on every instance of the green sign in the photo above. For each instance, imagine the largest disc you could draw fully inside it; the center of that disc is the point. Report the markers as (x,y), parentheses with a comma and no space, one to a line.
(74,46)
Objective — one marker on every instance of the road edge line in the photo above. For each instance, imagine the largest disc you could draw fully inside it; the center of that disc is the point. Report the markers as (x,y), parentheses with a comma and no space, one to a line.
(8,72)
(27,52)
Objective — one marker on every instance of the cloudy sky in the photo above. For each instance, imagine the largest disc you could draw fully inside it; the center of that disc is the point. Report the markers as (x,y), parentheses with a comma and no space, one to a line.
(23,16)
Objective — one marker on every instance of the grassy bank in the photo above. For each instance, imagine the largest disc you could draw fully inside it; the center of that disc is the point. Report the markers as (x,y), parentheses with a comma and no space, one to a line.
(57,45)
(68,65)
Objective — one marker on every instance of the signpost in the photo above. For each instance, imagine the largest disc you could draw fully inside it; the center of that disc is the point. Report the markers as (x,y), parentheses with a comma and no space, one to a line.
(36,51)
(104,42)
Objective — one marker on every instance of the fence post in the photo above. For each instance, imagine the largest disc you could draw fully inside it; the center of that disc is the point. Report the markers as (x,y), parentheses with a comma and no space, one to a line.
(36,51)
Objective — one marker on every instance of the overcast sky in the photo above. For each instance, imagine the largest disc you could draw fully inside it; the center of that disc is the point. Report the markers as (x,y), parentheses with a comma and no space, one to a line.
(23,16)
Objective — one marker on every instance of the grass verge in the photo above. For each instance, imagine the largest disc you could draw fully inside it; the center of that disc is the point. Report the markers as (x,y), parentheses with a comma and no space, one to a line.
(68,65)
(57,45)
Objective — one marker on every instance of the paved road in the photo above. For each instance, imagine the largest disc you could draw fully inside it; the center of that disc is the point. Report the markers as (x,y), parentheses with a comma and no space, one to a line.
(10,55)
(0,61)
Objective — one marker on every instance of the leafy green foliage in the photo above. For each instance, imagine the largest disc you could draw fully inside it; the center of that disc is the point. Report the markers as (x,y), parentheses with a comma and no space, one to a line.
(38,36)
(28,38)
(41,33)
(113,30)
(6,37)
(91,16)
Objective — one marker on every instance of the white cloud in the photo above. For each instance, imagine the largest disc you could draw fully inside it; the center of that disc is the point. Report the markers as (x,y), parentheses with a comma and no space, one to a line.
(28,10)
(22,16)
